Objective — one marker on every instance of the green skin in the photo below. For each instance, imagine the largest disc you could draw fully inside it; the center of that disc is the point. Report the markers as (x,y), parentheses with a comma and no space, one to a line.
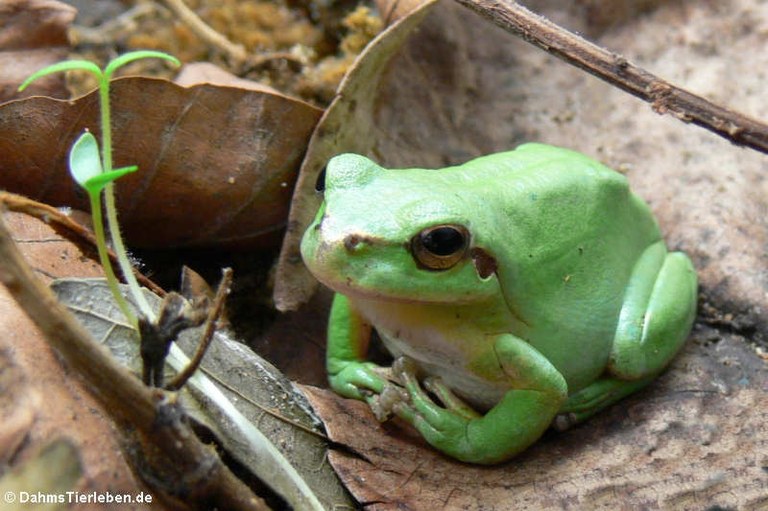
(564,301)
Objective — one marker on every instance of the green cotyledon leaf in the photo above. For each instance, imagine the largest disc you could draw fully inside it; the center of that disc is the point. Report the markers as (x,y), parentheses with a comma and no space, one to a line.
(85,159)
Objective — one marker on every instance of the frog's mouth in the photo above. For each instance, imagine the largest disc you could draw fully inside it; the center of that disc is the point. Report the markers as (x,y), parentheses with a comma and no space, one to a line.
(356,285)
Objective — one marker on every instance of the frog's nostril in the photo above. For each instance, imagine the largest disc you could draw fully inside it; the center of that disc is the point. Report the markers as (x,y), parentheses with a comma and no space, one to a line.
(319,223)
(351,242)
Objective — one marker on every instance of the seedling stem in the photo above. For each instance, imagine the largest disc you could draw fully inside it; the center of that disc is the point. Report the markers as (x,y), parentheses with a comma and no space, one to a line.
(97,175)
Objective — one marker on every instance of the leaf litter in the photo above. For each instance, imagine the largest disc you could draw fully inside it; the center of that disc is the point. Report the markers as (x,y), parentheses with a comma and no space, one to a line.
(257,389)
(197,185)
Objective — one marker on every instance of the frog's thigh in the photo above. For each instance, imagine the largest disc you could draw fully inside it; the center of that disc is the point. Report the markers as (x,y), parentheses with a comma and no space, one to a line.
(658,311)
(657,315)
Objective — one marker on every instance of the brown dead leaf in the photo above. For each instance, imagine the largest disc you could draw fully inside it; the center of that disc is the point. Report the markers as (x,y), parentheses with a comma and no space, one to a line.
(345,127)
(17,407)
(216,164)
(33,35)
(204,72)
(295,342)
(49,402)
(50,255)
(695,438)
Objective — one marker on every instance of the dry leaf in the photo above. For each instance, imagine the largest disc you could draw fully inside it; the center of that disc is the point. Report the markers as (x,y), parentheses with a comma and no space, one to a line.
(50,255)
(345,127)
(25,410)
(250,383)
(295,341)
(204,72)
(216,164)
(33,35)
(695,438)
(18,404)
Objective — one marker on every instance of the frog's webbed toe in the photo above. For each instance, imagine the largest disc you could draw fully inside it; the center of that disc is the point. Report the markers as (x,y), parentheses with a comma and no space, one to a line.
(383,405)
(450,400)
(406,371)
(596,396)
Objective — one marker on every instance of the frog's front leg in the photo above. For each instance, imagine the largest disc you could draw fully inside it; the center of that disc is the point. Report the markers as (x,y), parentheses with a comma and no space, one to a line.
(348,336)
(519,419)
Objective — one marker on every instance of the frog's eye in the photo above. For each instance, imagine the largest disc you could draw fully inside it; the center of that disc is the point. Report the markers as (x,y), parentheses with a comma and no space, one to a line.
(320,183)
(440,247)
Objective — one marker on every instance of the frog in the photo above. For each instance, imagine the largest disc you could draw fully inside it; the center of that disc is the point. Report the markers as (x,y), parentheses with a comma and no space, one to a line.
(518,291)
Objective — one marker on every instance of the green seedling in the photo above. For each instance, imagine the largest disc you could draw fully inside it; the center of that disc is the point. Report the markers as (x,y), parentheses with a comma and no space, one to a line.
(92,169)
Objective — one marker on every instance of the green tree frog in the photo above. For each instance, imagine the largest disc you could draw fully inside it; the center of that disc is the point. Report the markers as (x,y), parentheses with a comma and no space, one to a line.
(519,290)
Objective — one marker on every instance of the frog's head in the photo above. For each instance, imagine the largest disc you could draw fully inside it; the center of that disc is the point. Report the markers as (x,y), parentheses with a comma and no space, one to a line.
(398,234)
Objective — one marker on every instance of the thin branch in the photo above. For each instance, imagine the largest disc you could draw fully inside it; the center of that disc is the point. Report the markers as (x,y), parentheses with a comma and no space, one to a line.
(664,97)
(49,214)
(210,327)
(155,414)
(233,51)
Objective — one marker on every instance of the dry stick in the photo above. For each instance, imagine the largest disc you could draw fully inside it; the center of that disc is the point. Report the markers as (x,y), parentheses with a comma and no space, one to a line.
(210,327)
(234,51)
(155,414)
(614,69)
(49,214)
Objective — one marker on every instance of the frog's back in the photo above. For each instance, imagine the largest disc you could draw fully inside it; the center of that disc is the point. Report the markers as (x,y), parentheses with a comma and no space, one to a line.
(547,198)
(567,232)
(534,160)
(541,187)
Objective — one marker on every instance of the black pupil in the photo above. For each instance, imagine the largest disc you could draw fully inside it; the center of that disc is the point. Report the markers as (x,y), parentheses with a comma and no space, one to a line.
(320,183)
(443,241)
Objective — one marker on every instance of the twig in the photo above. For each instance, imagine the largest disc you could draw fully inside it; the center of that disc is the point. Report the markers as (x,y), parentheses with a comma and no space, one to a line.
(237,55)
(233,51)
(616,70)
(210,327)
(155,414)
(49,214)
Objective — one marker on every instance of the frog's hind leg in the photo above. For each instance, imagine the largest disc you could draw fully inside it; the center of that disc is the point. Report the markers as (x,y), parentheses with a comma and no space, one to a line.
(593,398)
(656,317)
